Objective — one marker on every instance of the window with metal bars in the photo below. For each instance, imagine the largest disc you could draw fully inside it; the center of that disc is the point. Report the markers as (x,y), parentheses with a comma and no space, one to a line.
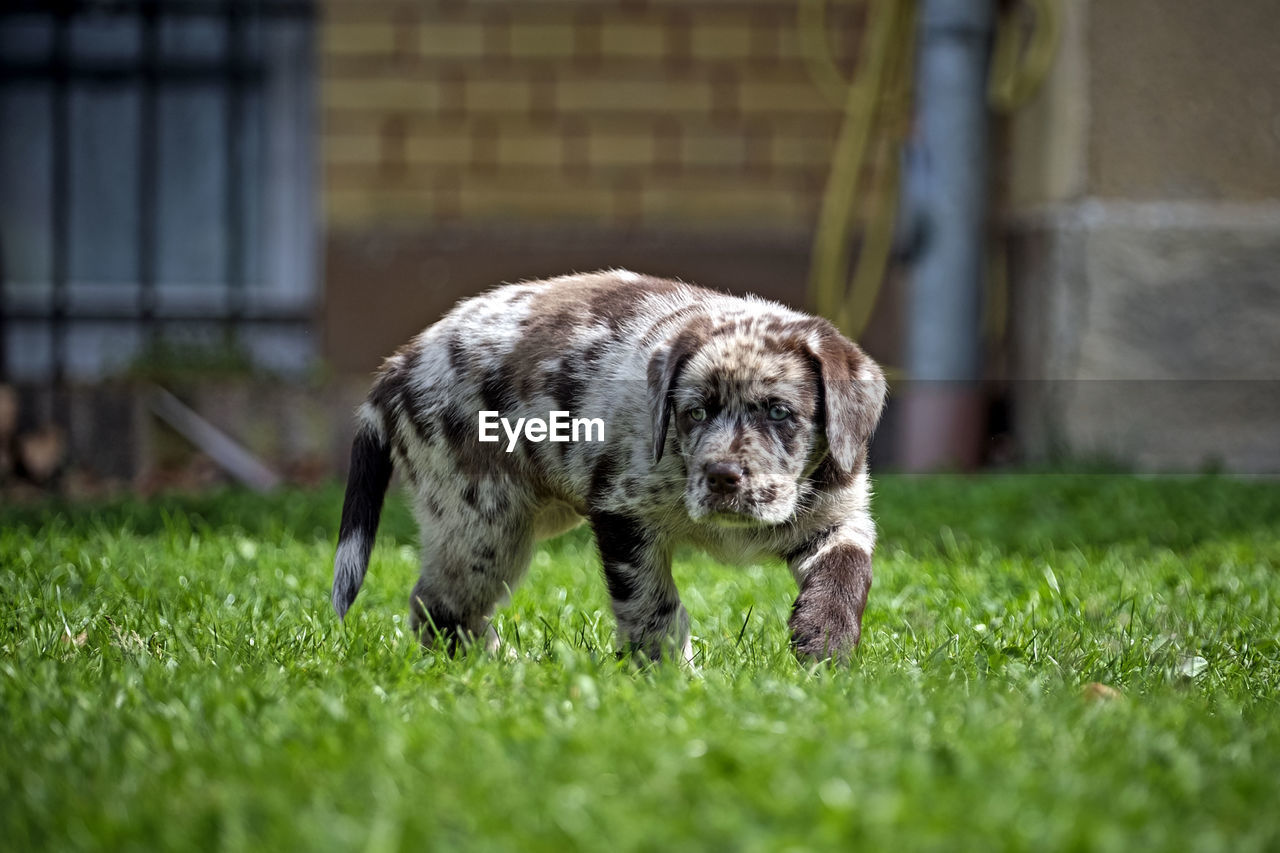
(156,182)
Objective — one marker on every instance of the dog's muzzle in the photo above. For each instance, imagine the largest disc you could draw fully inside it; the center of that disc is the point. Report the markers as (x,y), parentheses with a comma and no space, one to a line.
(727,495)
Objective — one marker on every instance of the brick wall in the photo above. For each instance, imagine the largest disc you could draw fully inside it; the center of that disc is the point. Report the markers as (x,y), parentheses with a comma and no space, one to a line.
(632,114)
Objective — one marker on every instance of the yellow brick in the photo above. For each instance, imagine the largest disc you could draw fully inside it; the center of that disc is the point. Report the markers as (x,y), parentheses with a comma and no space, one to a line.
(355,10)
(530,150)
(450,40)
(636,40)
(368,206)
(726,203)
(380,94)
(842,43)
(346,207)
(504,96)
(713,150)
(786,97)
(410,203)
(345,176)
(541,40)
(351,148)
(721,41)
(357,39)
(615,149)
(790,151)
(552,200)
(438,147)
(789,43)
(628,95)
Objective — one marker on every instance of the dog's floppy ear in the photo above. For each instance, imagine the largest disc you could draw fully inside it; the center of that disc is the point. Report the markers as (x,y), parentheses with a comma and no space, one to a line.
(664,369)
(853,389)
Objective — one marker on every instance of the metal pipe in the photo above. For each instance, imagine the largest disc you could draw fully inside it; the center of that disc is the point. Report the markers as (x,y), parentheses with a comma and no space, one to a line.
(943,406)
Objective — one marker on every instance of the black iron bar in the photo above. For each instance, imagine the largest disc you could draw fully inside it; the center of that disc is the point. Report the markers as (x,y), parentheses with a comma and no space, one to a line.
(60,207)
(233,211)
(148,168)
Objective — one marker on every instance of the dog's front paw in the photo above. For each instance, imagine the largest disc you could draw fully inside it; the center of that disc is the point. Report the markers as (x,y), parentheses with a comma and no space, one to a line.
(823,631)
(826,620)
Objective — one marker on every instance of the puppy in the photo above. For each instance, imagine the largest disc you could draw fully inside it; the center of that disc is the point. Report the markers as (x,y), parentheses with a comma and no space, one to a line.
(735,425)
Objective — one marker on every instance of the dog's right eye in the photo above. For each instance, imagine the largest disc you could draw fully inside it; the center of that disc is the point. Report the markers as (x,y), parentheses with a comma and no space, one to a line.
(698,414)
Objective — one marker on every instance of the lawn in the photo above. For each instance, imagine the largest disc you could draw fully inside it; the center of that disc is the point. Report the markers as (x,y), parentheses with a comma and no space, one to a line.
(172,677)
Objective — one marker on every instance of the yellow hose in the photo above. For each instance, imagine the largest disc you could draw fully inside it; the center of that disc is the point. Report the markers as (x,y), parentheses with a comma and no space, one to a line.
(1013,79)
(830,256)
(878,99)
(877,236)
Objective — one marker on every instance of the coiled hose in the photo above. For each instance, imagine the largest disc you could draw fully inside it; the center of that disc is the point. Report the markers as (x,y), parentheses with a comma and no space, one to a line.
(877,107)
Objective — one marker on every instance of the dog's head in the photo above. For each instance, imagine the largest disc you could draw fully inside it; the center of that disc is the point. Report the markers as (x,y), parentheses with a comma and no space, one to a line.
(756,402)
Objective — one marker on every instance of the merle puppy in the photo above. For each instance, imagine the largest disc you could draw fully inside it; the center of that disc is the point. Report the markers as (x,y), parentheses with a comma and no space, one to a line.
(735,425)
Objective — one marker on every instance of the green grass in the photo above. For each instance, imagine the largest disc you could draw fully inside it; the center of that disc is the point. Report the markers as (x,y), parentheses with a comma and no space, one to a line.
(172,677)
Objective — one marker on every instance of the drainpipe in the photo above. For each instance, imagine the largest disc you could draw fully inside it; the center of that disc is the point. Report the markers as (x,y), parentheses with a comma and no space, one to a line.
(943,409)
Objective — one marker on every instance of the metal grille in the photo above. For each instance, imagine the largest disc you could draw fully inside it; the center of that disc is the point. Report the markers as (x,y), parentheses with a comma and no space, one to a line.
(240,193)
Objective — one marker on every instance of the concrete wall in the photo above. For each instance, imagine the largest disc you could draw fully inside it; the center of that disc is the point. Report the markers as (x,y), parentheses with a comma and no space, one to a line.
(1143,215)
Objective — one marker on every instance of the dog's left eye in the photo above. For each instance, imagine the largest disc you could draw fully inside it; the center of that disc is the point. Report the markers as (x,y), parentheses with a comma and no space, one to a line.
(779,413)
(698,414)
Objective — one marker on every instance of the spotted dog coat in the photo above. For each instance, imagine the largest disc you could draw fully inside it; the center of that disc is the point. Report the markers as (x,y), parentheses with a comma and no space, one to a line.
(732,424)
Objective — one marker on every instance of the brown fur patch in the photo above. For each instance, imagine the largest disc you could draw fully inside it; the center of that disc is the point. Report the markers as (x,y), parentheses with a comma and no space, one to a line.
(826,619)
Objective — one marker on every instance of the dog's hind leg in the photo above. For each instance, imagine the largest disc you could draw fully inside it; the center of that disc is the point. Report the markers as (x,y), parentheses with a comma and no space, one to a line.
(474,551)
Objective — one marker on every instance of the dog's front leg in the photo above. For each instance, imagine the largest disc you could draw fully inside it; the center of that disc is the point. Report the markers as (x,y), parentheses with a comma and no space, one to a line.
(637,569)
(834,574)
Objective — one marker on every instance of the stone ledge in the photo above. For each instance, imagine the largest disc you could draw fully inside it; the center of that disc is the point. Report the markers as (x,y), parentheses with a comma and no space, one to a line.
(1158,324)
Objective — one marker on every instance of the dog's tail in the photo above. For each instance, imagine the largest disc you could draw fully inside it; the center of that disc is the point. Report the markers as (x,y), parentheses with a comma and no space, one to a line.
(366,487)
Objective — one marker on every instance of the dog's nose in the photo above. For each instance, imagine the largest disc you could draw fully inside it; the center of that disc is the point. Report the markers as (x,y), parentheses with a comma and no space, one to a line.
(723,477)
